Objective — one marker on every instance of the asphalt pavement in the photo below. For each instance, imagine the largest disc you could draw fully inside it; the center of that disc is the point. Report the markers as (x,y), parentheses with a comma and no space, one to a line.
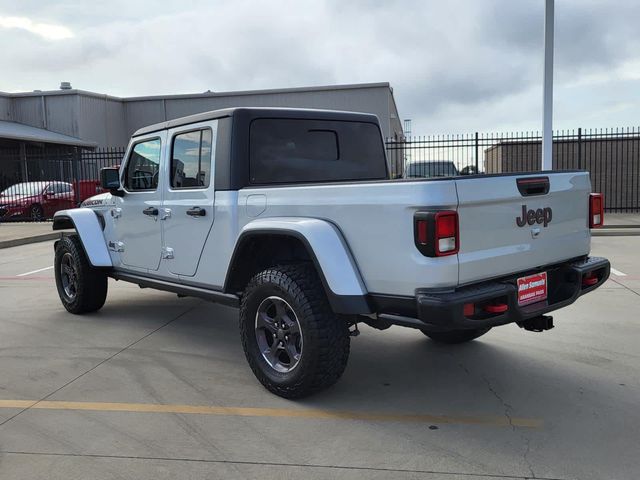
(157,387)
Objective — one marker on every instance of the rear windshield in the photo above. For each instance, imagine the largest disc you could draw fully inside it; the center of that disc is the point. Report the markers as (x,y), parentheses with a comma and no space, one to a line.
(296,150)
(431,169)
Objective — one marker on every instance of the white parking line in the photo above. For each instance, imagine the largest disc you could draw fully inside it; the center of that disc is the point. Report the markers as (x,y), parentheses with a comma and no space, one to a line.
(618,272)
(35,271)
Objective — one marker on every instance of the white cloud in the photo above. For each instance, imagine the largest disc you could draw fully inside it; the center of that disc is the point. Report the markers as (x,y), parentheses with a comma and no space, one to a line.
(47,31)
(456,66)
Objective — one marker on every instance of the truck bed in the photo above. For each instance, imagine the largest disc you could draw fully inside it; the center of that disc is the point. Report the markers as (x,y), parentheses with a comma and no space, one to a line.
(376,220)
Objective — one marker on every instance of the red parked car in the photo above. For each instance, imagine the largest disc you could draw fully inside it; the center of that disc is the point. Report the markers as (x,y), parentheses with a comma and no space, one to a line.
(35,200)
(87,188)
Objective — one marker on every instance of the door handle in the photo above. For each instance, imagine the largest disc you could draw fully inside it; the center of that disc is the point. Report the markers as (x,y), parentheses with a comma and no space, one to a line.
(196,212)
(151,211)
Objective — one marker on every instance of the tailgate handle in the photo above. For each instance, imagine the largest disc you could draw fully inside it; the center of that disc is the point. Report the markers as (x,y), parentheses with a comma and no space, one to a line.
(531,186)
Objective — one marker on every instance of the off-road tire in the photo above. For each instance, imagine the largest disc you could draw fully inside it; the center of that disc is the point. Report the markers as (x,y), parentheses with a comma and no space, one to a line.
(325,336)
(90,282)
(456,336)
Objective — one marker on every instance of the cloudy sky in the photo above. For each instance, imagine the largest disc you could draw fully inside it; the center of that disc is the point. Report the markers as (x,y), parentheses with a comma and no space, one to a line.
(456,66)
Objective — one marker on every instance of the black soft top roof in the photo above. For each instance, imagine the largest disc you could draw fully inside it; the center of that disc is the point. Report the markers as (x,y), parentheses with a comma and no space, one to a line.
(263,112)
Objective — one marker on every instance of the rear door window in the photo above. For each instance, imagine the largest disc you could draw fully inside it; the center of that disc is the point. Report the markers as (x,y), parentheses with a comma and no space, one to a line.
(191,159)
(295,151)
(62,188)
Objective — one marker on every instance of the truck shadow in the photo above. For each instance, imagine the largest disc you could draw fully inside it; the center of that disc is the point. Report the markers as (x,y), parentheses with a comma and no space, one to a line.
(507,371)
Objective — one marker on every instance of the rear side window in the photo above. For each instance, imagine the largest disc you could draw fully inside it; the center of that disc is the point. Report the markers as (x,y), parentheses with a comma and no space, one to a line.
(56,188)
(431,169)
(64,188)
(293,151)
(191,159)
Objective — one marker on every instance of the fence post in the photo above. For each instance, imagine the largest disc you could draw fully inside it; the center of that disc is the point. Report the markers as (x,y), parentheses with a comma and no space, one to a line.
(477,149)
(75,169)
(580,166)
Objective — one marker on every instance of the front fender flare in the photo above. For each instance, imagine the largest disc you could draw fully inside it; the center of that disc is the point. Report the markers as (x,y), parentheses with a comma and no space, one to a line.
(330,253)
(86,223)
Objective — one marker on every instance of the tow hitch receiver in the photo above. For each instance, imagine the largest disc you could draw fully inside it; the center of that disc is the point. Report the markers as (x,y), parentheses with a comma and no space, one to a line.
(537,324)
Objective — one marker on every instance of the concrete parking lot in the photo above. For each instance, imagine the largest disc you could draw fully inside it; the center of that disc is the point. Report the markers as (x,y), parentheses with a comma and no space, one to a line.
(156,387)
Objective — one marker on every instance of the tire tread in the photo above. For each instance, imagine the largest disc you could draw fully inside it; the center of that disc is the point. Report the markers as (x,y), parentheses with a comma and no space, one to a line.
(330,333)
(92,283)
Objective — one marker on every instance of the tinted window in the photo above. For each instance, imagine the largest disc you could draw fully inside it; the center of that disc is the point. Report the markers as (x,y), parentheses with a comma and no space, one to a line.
(290,150)
(63,188)
(431,169)
(143,165)
(191,159)
(57,188)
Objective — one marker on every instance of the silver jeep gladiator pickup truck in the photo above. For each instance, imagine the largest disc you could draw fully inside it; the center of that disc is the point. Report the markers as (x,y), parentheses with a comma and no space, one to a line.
(291,216)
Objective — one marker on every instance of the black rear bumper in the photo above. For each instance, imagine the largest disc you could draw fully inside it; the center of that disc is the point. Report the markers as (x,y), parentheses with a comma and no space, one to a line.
(444,310)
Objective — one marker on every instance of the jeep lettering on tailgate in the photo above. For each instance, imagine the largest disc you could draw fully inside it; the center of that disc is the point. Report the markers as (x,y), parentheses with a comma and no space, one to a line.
(541,215)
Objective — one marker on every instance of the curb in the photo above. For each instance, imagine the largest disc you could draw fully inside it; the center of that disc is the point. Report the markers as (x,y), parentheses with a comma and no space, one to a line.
(615,233)
(15,242)
(621,226)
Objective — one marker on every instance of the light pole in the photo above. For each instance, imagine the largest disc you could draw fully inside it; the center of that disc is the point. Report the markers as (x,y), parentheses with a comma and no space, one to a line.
(547,91)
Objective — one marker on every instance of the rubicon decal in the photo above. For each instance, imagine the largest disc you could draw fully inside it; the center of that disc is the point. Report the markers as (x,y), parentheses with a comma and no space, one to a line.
(529,217)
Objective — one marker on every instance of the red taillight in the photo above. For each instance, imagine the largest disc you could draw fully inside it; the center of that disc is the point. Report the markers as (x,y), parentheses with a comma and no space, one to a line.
(469,309)
(436,233)
(422,229)
(596,210)
(446,233)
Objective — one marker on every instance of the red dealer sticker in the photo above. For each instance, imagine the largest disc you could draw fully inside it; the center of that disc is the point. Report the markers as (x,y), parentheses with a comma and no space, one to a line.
(532,289)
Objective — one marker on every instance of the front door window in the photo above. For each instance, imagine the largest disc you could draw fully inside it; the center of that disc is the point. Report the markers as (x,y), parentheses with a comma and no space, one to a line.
(143,166)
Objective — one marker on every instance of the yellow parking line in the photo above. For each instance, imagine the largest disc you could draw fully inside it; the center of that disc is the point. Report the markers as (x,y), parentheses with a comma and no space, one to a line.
(272,412)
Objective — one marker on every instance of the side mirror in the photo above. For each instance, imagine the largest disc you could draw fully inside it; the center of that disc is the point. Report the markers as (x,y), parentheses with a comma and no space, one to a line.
(110,180)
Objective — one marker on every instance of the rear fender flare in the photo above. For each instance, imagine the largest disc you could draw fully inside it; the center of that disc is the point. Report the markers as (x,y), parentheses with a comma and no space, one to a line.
(86,223)
(330,253)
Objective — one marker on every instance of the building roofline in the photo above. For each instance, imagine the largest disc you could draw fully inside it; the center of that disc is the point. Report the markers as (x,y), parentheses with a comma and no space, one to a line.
(351,86)
(51,93)
(21,132)
(262,92)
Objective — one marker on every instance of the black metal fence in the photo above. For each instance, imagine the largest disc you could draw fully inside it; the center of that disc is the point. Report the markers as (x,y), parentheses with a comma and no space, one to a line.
(36,182)
(612,156)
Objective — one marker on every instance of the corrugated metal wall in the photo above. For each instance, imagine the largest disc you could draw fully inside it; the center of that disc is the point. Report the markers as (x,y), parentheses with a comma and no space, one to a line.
(90,117)
(110,121)
(57,113)
(5,108)
(101,120)
(140,113)
(28,110)
(62,114)
(116,125)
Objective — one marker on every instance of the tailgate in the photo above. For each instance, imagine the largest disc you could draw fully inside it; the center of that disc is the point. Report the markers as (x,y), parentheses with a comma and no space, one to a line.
(495,240)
